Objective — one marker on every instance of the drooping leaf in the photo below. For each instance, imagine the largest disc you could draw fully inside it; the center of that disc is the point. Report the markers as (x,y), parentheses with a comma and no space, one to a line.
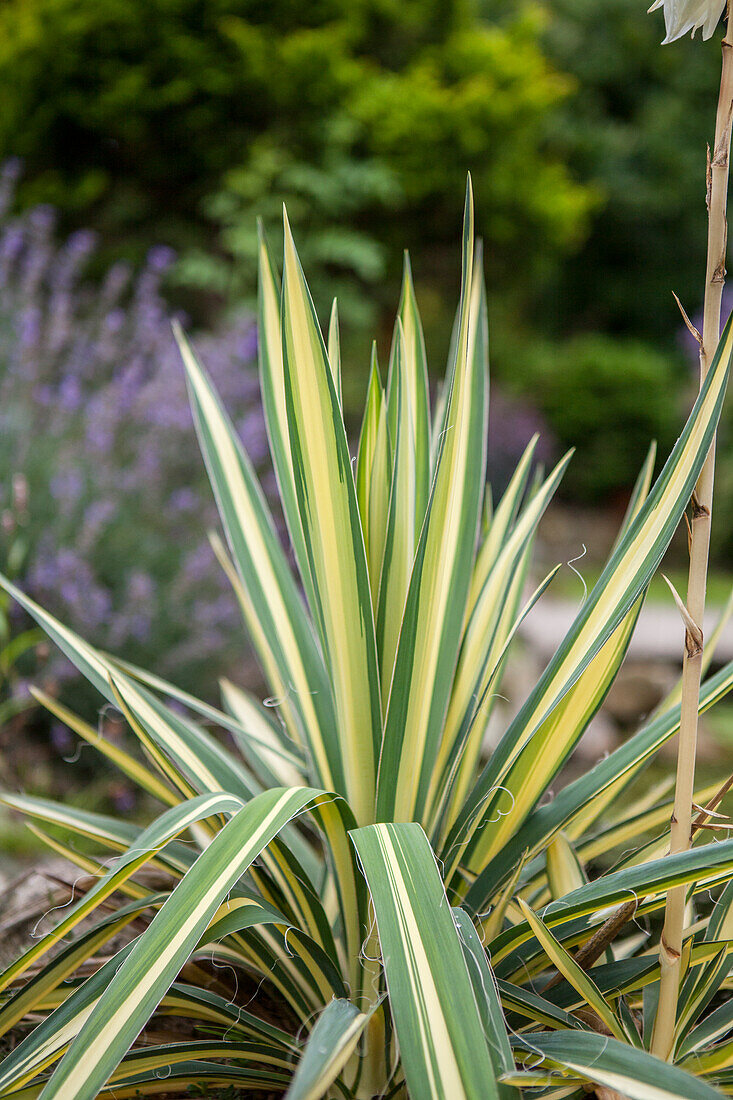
(619,1066)
(158,954)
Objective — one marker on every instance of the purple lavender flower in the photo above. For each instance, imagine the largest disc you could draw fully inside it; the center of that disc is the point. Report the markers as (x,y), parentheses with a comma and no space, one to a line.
(512,424)
(61,738)
(160,258)
(94,414)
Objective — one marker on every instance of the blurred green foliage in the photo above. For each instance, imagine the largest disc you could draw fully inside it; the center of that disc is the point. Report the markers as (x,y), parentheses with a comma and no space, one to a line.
(636,129)
(324,202)
(145,117)
(607,397)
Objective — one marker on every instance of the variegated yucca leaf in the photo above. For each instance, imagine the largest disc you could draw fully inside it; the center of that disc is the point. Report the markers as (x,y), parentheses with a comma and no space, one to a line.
(335,557)
(140,775)
(415,380)
(35,992)
(500,522)
(373,478)
(619,766)
(618,1066)
(471,728)
(272,385)
(539,760)
(573,973)
(438,591)
(486,992)
(274,607)
(402,530)
(623,580)
(212,715)
(145,845)
(261,741)
(157,957)
(564,869)
(440,1031)
(334,348)
(330,1045)
(489,627)
(51,1037)
(711,862)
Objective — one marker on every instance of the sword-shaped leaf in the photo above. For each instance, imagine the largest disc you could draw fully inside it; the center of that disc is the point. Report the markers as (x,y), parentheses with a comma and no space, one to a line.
(160,952)
(334,348)
(402,532)
(199,762)
(50,976)
(715,1026)
(46,1042)
(436,602)
(712,863)
(572,972)
(272,385)
(334,544)
(328,1049)
(484,638)
(145,845)
(486,991)
(448,787)
(628,572)
(260,741)
(623,1068)
(373,465)
(500,522)
(128,765)
(540,759)
(415,370)
(212,715)
(280,629)
(623,761)
(439,1028)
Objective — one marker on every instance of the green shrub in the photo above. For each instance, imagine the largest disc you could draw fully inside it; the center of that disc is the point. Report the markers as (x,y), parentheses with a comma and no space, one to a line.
(131,113)
(634,129)
(606,396)
(328,196)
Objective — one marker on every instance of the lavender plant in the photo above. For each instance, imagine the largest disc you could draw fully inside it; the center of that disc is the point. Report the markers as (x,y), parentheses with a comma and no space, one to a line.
(95,424)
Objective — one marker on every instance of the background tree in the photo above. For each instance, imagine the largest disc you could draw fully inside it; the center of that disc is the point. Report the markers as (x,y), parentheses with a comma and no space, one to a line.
(149,117)
(632,129)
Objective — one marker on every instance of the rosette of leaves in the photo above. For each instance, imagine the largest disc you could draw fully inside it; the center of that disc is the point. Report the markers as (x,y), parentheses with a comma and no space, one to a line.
(353,904)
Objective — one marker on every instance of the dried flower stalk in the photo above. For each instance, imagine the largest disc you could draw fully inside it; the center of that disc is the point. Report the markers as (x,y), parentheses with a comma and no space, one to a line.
(681,826)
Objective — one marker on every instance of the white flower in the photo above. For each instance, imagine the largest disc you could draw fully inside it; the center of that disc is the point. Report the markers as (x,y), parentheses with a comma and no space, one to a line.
(681,16)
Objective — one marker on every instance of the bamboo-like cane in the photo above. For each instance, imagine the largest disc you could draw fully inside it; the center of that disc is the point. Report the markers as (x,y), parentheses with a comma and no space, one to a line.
(681,828)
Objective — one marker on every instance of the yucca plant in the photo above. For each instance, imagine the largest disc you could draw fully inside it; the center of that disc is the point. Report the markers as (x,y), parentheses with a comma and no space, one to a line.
(354,903)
